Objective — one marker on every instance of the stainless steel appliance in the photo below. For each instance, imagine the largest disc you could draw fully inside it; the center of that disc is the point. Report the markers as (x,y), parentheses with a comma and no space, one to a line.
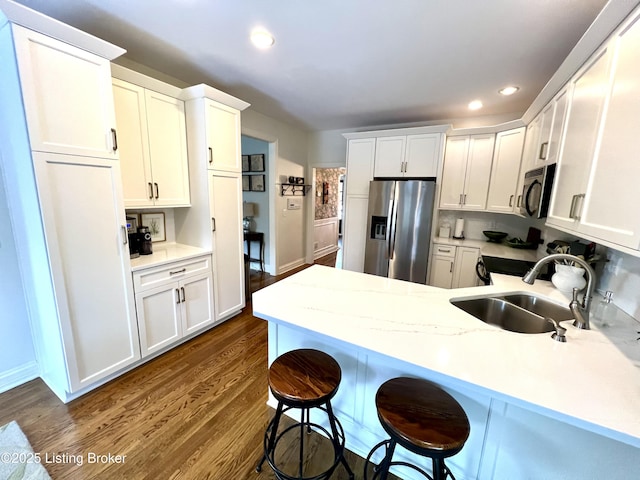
(132,233)
(144,239)
(536,191)
(399,228)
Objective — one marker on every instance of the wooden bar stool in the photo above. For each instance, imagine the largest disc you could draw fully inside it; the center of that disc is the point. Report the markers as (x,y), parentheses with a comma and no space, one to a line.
(304,379)
(422,418)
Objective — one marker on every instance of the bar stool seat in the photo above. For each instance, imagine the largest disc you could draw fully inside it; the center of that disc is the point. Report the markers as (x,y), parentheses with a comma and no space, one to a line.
(422,418)
(304,379)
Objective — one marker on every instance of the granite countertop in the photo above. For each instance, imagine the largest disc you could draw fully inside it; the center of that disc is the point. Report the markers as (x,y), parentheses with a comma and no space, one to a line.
(592,381)
(167,252)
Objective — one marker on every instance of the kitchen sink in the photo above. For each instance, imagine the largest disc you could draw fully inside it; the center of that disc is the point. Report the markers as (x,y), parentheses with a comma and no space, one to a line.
(516,313)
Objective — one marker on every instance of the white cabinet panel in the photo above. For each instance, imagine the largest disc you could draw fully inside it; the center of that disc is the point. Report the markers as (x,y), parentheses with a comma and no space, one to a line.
(355,233)
(67,97)
(464,274)
(223,137)
(197,303)
(422,155)
(455,168)
(80,197)
(225,190)
(442,271)
(390,156)
(158,318)
(505,171)
(360,158)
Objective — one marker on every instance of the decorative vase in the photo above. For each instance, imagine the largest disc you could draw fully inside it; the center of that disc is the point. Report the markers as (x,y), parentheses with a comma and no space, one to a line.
(568,277)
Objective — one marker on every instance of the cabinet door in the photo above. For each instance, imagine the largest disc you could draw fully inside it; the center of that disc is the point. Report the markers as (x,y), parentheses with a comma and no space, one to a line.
(390,156)
(67,97)
(355,233)
(360,158)
(223,137)
(559,115)
(197,302)
(579,142)
(542,155)
(133,142)
(505,171)
(441,271)
(476,183)
(531,145)
(464,274)
(225,196)
(422,155)
(168,149)
(83,216)
(455,167)
(159,317)
(612,205)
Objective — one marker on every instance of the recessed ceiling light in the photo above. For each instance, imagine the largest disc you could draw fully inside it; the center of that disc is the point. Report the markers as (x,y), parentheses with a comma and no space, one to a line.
(510,90)
(475,105)
(262,39)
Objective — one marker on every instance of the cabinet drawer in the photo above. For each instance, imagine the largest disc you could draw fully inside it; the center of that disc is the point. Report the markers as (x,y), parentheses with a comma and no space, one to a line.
(444,250)
(157,276)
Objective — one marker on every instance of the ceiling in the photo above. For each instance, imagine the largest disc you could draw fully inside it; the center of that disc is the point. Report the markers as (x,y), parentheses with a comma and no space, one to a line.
(347,63)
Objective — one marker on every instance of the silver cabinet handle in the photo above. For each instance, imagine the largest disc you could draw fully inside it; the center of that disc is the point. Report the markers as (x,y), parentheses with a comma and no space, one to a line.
(213,222)
(460,200)
(451,268)
(464,199)
(210,155)
(519,202)
(125,235)
(581,196)
(573,206)
(176,272)
(183,296)
(150,191)
(511,200)
(542,155)
(446,250)
(157,190)
(178,296)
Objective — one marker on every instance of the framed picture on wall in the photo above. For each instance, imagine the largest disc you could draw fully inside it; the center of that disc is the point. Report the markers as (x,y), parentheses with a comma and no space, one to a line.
(256,162)
(245,163)
(246,184)
(257,183)
(155,222)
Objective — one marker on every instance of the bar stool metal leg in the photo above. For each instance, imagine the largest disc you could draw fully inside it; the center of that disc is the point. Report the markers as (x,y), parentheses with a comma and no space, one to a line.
(336,439)
(272,435)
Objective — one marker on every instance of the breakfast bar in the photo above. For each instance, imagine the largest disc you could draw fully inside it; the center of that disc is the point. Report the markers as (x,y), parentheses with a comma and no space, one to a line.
(561,410)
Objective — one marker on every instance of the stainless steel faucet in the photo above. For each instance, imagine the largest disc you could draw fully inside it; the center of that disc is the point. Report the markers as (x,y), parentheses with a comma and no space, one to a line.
(580,310)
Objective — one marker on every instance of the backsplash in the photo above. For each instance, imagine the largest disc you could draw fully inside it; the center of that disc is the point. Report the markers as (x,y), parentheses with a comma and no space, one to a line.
(621,275)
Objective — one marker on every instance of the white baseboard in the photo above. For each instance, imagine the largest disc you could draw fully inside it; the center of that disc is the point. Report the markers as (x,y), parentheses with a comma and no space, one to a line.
(19,375)
(290,266)
(325,251)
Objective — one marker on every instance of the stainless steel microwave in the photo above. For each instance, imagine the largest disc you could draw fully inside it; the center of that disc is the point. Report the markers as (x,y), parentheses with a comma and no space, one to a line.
(536,191)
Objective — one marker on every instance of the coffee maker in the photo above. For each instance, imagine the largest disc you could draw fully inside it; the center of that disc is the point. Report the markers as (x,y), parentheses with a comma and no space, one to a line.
(144,240)
(132,237)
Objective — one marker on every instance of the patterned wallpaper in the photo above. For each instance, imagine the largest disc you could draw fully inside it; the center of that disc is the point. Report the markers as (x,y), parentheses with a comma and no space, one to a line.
(332,177)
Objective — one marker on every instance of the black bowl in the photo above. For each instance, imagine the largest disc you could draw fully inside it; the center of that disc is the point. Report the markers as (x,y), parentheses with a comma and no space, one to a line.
(494,236)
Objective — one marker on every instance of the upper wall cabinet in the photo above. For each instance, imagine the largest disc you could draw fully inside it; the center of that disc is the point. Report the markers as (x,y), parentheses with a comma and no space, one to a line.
(414,156)
(596,191)
(67,97)
(466,172)
(223,124)
(153,147)
(505,170)
(360,159)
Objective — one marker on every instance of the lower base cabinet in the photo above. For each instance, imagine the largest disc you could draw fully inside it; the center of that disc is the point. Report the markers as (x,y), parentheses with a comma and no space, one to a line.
(453,266)
(173,301)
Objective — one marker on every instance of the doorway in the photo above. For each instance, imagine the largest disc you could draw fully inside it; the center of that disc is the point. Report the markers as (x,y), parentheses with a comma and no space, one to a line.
(328,208)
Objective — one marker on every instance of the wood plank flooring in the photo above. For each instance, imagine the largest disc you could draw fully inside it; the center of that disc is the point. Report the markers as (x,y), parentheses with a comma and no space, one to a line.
(196,412)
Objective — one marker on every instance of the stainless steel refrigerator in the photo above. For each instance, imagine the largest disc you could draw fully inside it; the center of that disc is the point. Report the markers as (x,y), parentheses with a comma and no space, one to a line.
(398,229)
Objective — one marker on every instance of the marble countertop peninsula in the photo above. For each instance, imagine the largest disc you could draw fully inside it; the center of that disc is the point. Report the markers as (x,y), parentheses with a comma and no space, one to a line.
(592,381)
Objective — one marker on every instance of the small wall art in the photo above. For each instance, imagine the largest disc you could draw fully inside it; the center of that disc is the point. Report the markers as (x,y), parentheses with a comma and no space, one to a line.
(246,184)
(155,222)
(256,162)
(257,183)
(245,163)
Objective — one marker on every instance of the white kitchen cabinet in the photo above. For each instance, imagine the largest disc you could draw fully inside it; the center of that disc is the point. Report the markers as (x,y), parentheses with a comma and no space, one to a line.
(442,265)
(86,239)
(466,172)
(464,274)
(604,205)
(360,160)
(412,156)
(173,301)
(355,232)
(67,96)
(225,191)
(505,171)
(588,91)
(214,220)
(223,123)
(153,147)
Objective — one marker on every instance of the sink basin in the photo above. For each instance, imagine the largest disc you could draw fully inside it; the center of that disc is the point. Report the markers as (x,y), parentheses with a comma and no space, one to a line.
(540,306)
(501,313)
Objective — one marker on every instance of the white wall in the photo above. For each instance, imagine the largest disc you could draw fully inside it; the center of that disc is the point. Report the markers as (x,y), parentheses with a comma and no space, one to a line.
(287,228)
(17,355)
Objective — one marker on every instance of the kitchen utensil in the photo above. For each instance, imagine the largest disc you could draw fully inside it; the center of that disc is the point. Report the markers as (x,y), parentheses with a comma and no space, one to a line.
(519,243)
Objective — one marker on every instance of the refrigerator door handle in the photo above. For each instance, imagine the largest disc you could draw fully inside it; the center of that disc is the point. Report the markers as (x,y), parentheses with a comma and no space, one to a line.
(393,220)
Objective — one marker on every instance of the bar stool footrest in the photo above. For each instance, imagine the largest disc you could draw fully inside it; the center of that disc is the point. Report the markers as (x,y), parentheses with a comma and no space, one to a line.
(386,463)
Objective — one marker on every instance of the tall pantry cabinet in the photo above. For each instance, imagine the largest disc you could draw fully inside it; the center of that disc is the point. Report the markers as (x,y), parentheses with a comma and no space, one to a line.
(215,219)
(60,163)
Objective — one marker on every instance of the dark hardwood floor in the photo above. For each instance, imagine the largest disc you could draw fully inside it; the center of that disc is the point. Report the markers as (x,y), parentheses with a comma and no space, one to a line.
(197,412)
